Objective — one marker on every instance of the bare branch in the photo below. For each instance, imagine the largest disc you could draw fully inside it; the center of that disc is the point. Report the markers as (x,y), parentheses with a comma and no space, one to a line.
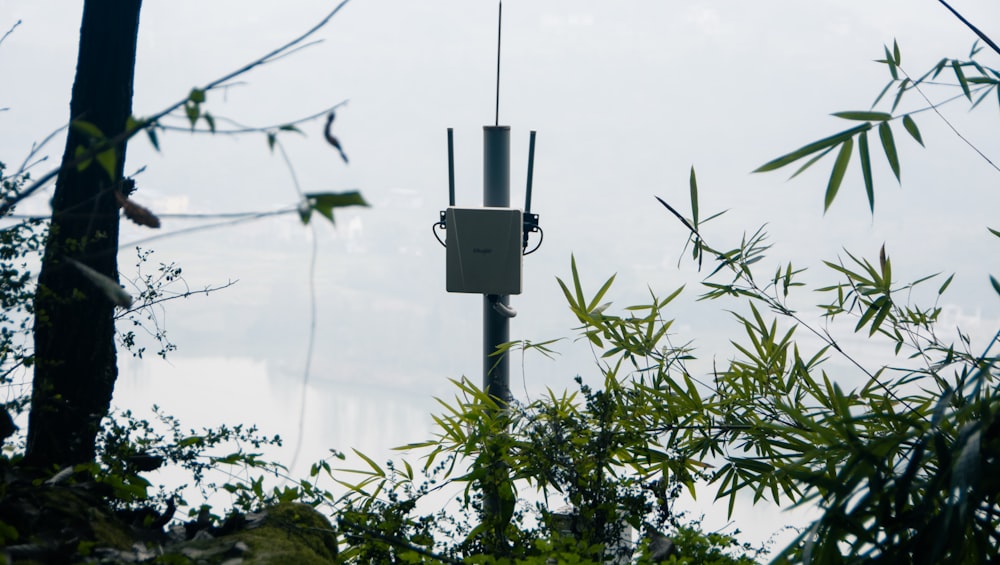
(242,128)
(124,136)
(9,31)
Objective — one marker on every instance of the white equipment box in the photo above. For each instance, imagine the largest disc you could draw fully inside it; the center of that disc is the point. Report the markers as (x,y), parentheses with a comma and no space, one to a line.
(484,250)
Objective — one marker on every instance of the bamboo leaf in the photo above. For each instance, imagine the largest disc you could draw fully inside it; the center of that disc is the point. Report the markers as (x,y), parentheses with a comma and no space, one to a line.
(694,198)
(994,232)
(995,283)
(837,174)
(810,162)
(891,62)
(576,282)
(900,93)
(960,75)
(151,133)
(378,470)
(600,294)
(889,145)
(911,128)
(866,169)
(882,314)
(862,116)
(813,147)
(882,94)
(947,282)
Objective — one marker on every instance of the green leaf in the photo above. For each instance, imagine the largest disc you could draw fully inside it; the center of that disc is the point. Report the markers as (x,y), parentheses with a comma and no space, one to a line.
(895,53)
(891,62)
(885,133)
(600,294)
(995,283)
(375,468)
(270,140)
(694,199)
(866,169)
(197,95)
(191,440)
(193,111)
(862,116)
(82,165)
(811,161)
(911,127)
(986,92)
(210,120)
(87,128)
(132,124)
(290,127)
(976,48)
(837,174)
(108,161)
(576,282)
(813,147)
(960,75)
(900,93)
(994,232)
(882,94)
(325,202)
(151,133)
(947,282)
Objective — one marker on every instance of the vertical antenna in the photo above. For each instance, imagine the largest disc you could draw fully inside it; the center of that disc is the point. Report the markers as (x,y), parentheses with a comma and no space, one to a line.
(451,167)
(496,120)
(531,170)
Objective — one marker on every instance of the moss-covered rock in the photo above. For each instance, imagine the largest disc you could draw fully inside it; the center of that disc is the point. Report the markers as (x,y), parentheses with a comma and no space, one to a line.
(290,533)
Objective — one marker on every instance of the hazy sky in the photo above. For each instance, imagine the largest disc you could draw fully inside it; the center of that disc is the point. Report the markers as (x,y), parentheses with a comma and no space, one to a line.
(626,96)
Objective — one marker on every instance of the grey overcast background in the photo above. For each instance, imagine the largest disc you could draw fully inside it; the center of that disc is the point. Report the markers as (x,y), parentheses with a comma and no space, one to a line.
(626,96)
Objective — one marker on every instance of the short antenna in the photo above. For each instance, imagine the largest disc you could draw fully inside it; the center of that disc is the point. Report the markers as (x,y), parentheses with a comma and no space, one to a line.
(496,119)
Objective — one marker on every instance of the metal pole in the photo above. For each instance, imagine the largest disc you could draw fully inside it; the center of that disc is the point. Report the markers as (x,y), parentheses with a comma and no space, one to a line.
(496,326)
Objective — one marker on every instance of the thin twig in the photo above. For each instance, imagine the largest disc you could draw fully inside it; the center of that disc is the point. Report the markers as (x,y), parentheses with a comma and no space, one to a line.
(933,106)
(9,31)
(35,148)
(192,229)
(241,128)
(124,136)
(185,294)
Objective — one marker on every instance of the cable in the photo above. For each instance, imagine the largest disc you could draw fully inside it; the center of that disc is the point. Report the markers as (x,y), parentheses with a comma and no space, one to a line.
(541,237)
(436,236)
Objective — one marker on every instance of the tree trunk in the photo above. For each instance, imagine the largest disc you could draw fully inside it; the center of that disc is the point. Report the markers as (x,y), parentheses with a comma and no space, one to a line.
(75,357)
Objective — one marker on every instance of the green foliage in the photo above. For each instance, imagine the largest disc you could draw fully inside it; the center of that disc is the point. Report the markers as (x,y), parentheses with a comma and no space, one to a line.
(130,446)
(20,245)
(325,202)
(96,144)
(599,451)
(982,82)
